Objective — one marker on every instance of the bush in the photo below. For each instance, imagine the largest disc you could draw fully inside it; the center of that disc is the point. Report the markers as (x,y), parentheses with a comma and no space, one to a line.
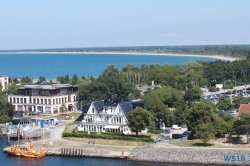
(106,136)
(4,119)
(157,131)
(213,89)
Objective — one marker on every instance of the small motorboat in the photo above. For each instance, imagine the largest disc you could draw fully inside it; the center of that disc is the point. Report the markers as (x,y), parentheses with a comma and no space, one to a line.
(24,150)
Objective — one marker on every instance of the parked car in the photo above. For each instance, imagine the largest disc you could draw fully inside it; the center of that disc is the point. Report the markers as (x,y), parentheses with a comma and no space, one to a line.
(176,127)
(185,134)
(176,136)
(160,137)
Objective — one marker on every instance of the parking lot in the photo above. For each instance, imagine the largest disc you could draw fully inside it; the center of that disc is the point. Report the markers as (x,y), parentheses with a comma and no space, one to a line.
(214,97)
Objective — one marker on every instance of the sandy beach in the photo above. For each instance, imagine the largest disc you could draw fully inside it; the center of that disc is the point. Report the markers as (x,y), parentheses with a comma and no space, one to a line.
(219,57)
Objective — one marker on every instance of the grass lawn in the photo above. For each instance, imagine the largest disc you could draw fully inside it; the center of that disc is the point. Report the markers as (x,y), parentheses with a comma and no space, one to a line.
(106,141)
(62,116)
(197,143)
(73,115)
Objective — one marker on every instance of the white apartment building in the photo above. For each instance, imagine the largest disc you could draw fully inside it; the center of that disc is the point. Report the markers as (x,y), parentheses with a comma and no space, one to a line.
(45,98)
(4,80)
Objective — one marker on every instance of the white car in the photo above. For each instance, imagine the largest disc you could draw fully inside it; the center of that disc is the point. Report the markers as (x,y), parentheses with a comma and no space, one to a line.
(176,127)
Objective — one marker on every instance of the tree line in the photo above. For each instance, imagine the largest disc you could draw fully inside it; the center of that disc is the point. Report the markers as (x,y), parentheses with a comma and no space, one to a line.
(178,98)
(227,50)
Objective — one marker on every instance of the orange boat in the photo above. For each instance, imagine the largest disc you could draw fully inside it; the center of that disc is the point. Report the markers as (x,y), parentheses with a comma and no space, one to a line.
(25,150)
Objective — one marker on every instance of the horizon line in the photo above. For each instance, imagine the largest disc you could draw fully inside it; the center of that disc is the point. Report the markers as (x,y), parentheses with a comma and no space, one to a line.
(26,49)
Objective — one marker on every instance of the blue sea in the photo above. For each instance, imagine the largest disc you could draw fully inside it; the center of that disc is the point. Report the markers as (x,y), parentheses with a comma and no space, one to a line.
(52,65)
(8,160)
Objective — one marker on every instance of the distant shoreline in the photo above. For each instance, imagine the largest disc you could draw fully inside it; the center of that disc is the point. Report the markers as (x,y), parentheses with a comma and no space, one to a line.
(220,57)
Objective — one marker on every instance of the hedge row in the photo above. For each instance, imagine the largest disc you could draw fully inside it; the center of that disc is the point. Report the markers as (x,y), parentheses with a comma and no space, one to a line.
(86,132)
(111,137)
(113,134)
(157,131)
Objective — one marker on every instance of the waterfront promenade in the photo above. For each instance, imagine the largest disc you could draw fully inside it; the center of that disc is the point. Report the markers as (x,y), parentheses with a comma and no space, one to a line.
(55,143)
(159,152)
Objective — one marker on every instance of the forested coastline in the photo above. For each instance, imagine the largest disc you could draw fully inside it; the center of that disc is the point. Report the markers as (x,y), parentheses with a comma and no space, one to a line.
(239,51)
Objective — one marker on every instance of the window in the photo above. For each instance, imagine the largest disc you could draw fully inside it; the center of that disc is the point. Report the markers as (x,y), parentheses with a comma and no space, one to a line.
(44,93)
(63,91)
(93,110)
(35,92)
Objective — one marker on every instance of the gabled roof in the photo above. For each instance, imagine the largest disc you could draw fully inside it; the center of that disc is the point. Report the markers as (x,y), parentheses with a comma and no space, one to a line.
(85,108)
(139,104)
(113,101)
(126,106)
(243,108)
(80,118)
(98,105)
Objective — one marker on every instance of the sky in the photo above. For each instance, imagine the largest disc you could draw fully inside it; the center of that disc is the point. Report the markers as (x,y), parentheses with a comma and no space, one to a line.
(29,24)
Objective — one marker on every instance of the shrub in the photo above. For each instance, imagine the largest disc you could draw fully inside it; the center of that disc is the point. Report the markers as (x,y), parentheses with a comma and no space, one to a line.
(157,131)
(106,136)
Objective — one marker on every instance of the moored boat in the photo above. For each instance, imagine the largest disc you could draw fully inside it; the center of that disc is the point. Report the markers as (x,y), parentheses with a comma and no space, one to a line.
(25,150)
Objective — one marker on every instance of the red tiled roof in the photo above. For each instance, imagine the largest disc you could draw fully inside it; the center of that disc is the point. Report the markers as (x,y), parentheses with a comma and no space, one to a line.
(243,108)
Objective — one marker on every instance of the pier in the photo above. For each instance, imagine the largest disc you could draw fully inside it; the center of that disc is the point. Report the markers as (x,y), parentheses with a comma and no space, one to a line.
(76,152)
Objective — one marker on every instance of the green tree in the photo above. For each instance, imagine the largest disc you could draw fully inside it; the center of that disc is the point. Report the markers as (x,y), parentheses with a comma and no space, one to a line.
(26,80)
(166,95)
(6,108)
(238,100)
(239,128)
(4,119)
(245,123)
(205,132)
(50,82)
(193,95)
(189,66)
(162,114)
(74,79)
(225,124)
(248,56)
(140,119)
(199,113)
(180,112)
(224,103)
(129,67)
(15,81)
(42,79)
(63,108)
(66,79)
